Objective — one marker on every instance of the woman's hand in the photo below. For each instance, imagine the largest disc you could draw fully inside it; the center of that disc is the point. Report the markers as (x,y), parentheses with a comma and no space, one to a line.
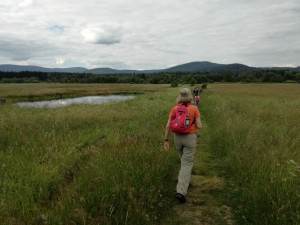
(167,131)
(166,145)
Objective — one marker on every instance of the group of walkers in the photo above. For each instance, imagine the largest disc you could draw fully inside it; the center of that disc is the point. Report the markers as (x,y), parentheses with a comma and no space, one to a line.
(197,92)
(184,120)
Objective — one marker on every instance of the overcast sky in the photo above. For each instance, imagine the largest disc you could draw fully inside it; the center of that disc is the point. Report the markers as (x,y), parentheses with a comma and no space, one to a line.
(149,34)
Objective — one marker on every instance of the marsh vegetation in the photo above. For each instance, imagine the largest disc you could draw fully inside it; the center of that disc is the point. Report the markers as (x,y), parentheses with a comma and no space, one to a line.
(105,164)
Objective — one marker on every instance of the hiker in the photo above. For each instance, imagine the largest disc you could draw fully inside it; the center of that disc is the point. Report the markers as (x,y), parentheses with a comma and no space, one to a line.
(180,116)
(196,91)
(197,100)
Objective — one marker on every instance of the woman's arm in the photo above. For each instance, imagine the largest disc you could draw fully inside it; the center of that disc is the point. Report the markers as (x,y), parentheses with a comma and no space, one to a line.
(198,123)
(167,131)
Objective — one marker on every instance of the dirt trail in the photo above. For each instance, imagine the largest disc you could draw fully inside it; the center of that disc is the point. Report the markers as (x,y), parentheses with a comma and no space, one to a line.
(204,204)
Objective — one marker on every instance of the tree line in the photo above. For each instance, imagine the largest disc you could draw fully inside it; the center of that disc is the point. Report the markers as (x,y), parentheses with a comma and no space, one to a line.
(276,76)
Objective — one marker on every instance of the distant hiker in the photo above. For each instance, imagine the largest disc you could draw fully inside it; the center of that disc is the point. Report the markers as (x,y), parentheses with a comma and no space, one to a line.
(184,120)
(200,90)
(196,91)
(197,100)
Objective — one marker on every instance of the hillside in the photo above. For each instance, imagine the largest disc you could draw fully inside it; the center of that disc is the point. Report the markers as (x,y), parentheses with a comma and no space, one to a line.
(18,68)
(195,67)
(192,67)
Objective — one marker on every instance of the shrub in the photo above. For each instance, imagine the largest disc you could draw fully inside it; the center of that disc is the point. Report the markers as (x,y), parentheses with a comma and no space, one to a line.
(290,81)
(174,84)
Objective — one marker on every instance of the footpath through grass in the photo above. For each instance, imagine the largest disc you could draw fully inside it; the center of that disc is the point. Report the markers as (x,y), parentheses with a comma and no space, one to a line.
(206,204)
(247,164)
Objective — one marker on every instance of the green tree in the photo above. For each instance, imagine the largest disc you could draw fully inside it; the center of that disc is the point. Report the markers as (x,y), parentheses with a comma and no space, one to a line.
(200,78)
(228,76)
(277,78)
(288,75)
(297,77)
(267,76)
(193,81)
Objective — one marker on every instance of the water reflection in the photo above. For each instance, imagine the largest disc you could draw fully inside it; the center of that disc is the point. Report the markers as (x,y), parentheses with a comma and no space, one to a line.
(93,100)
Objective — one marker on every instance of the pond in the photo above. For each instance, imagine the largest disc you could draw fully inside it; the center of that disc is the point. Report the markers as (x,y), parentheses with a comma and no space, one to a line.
(92,100)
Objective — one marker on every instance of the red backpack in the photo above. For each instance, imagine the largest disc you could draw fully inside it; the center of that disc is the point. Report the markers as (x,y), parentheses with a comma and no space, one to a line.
(197,98)
(180,121)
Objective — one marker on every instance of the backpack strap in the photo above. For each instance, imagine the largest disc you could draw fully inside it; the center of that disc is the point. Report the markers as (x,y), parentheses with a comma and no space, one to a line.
(184,104)
(193,122)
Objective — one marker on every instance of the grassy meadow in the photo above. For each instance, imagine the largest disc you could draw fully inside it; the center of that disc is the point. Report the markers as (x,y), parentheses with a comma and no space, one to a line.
(254,132)
(105,164)
(85,164)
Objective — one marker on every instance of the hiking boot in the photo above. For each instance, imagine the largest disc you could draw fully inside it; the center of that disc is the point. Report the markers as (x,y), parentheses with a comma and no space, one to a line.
(180,198)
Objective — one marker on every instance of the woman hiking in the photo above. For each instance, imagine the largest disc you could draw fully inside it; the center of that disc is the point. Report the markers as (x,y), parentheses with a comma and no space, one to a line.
(184,120)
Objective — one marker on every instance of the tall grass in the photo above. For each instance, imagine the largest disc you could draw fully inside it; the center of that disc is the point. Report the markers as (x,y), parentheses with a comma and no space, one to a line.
(87,164)
(255,138)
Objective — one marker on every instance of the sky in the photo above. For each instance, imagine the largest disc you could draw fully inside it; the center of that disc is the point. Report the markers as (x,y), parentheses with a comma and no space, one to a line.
(149,34)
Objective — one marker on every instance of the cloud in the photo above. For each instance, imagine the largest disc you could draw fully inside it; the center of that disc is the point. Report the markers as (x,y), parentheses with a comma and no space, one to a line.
(149,34)
(60,61)
(15,4)
(106,34)
(20,50)
(57,29)
(25,3)
(16,50)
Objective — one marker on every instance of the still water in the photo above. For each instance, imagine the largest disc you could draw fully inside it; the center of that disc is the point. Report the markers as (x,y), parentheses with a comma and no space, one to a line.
(92,100)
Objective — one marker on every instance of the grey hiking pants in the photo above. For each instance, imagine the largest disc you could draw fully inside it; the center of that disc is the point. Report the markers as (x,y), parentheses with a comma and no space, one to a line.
(186,145)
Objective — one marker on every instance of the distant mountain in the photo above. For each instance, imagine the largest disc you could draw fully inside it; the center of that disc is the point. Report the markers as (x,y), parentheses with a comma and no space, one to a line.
(71,70)
(192,67)
(235,68)
(17,68)
(108,71)
(113,71)
(296,69)
(203,67)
